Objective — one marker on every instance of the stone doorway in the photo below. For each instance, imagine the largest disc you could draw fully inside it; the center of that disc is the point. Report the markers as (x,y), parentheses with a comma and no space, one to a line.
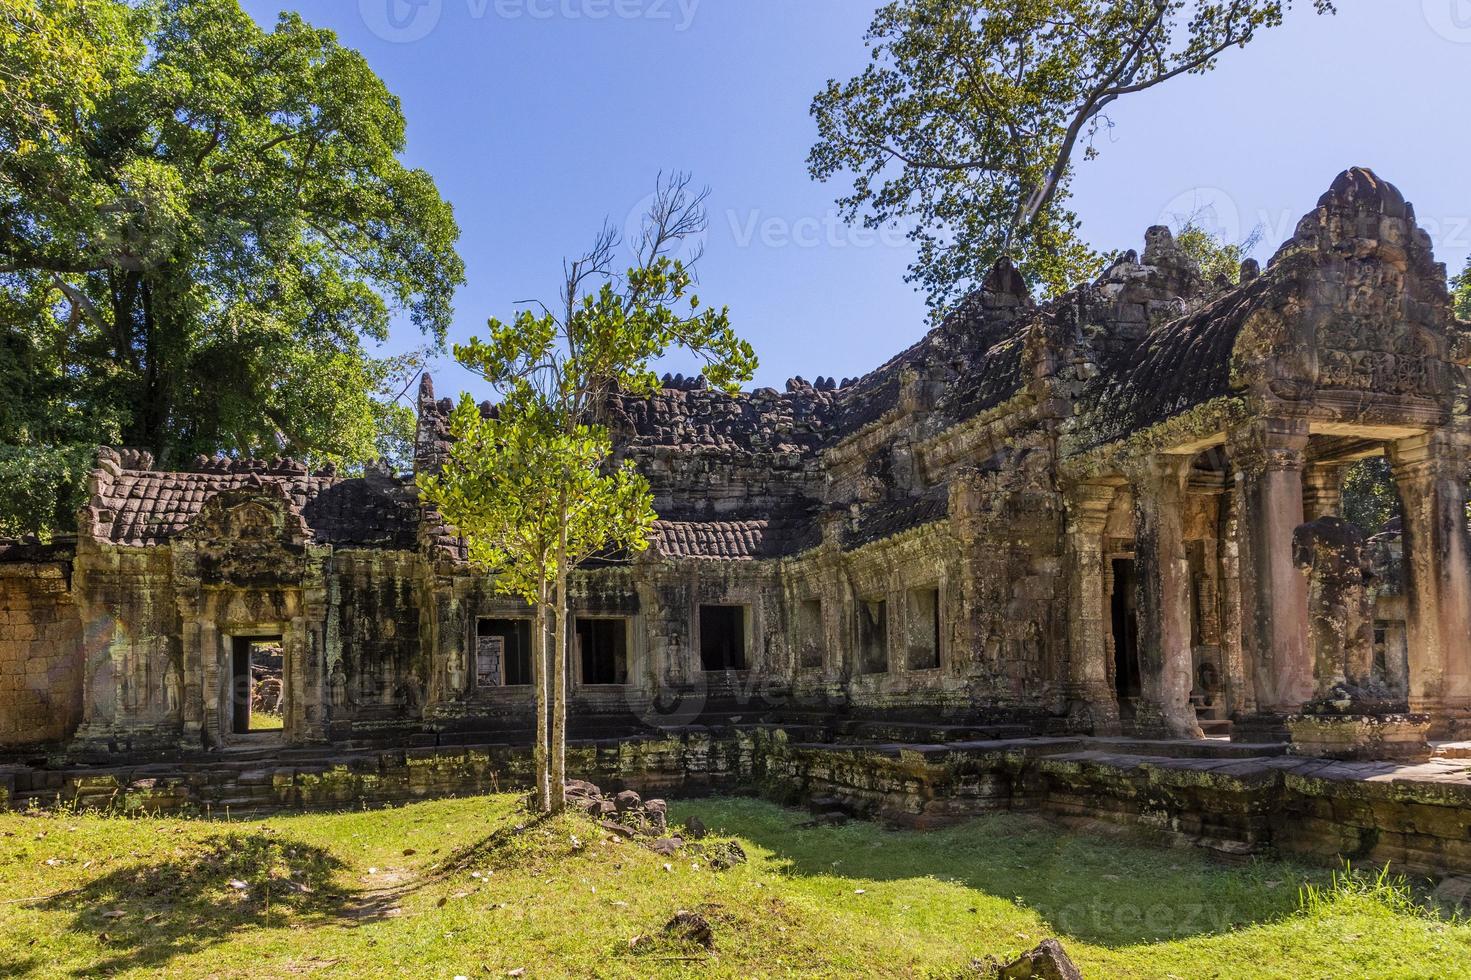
(1128,682)
(257,686)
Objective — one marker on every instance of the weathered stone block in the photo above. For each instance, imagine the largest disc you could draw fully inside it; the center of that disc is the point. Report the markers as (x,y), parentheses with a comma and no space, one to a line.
(1393,738)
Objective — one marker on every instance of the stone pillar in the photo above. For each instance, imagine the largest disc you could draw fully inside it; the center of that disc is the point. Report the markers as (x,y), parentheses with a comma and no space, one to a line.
(1228,552)
(1396,659)
(215,683)
(1165,658)
(1110,649)
(1268,457)
(1437,561)
(1093,707)
(1322,491)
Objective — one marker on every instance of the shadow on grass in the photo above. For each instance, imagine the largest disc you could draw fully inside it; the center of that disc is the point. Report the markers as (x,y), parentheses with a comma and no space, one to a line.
(147,913)
(1105,889)
(27,967)
(502,847)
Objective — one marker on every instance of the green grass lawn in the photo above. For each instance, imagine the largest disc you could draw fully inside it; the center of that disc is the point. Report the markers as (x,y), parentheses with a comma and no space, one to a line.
(454,888)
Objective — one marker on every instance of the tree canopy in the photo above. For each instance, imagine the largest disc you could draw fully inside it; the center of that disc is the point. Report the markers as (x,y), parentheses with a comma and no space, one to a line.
(966,125)
(203,227)
(534,487)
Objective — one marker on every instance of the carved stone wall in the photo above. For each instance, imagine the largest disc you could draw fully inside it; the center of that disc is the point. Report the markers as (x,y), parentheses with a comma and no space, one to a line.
(936,537)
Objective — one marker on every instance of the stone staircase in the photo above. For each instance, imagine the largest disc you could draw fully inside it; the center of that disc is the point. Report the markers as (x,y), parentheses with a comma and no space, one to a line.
(1211,716)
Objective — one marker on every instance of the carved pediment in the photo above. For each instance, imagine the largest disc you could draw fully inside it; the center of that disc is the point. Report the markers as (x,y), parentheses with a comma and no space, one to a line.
(249,537)
(255,513)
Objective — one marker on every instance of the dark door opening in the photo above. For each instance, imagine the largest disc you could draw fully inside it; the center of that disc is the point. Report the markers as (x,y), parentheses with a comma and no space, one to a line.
(603,647)
(258,685)
(1127,681)
(503,653)
(723,638)
(873,636)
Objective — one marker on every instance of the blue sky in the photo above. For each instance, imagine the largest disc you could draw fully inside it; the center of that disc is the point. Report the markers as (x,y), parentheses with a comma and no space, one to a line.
(539,118)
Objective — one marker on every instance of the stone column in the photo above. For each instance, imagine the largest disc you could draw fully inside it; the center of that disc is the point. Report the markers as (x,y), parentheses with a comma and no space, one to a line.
(1322,491)
(1093,706)
(1237,682)
(1268,457)
(1165,658)
(215,683)
(1397,659)
(1110,650)
(1437,562)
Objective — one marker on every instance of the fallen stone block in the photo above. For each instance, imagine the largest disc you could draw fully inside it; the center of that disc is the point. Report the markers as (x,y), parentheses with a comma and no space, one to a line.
(1049,961)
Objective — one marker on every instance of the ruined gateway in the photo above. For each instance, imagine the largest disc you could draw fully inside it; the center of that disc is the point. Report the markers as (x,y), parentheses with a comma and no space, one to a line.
(1076,517)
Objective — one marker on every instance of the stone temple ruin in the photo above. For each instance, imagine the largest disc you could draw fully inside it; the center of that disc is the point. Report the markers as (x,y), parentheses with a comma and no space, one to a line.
(1106,515)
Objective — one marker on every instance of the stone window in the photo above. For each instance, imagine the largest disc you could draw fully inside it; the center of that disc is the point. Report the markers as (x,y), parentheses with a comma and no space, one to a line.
(602,651)
(810,634)
(722,638)
(873,636)
(922,624)
(503,653)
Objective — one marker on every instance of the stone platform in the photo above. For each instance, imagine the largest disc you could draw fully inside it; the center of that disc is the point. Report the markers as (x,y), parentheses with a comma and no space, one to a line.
(1235,799)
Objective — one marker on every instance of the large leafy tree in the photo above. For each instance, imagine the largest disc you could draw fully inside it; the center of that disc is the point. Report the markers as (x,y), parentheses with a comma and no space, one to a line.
(968,121)
(203,228)
(533,487)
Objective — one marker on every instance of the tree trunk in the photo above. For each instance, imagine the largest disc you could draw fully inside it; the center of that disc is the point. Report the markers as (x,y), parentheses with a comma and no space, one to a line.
(559,680)
(542,677)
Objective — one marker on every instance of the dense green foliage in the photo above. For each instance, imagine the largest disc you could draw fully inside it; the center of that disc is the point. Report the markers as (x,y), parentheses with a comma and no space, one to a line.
(473,888)
(533,487)
(1370,498)
(1218,260)
(966,124)
(517,482)
(202,226)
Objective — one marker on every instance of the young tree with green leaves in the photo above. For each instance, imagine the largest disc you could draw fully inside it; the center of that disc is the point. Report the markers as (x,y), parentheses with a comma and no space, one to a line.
(1461,290)
(203,224)
(968,121)
(533,487)
(1218,259)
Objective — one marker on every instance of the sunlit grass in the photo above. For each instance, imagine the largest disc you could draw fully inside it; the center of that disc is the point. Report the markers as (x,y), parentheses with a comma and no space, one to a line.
(477,888)
(261,721)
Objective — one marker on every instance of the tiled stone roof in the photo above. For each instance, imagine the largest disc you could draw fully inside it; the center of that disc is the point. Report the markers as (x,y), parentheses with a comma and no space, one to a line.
(885,520)
(148,507)
(1184,363)
(719,540)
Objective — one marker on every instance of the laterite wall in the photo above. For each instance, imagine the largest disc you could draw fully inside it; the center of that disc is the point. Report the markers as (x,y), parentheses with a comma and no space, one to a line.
(40,654)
